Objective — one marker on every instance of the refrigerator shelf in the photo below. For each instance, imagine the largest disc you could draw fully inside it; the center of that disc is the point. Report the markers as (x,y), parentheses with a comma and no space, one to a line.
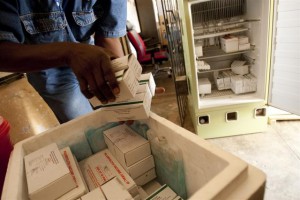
(212,70)
(236,30)
(216,52)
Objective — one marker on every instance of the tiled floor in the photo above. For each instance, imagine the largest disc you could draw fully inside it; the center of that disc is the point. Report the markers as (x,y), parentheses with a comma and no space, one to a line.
(276,151)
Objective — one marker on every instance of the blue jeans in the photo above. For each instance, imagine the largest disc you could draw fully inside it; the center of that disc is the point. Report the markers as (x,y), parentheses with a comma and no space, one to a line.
(60,90)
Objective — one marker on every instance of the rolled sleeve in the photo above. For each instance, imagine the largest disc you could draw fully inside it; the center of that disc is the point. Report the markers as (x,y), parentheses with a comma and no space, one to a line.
(10,24)
(112,15)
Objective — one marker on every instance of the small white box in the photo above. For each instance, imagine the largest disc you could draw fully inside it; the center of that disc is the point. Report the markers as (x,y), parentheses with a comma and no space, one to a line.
(164,192)
(244,46)
(81,187)
(240,70)
(146,177)
(243,39)
(127,71)
(102,167)
(129,146)
(141,167)
(237,84)
(133,109)
(95,194)
(48,176)
(204,86)
(229,44)
(199,51)
(115,190)
(148,78)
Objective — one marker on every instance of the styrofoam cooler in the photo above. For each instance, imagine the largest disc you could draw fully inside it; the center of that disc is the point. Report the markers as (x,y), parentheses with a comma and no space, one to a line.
(210,173)
(5,149)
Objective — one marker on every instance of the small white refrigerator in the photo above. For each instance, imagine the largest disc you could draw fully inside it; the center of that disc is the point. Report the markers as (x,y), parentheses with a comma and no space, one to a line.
(240,56)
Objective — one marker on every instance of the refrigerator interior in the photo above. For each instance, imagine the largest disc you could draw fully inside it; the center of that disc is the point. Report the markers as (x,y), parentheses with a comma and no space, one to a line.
(217,19)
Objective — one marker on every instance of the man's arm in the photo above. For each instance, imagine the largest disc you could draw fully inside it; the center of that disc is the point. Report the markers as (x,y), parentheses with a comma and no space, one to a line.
(90,64)
(112,44)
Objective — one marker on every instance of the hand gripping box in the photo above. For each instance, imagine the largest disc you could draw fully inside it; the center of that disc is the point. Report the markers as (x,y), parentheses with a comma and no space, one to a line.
(210,172)
(127,71)
(48,176)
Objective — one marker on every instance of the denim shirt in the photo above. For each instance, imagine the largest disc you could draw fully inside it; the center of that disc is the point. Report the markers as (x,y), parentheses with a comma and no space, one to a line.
(46,21)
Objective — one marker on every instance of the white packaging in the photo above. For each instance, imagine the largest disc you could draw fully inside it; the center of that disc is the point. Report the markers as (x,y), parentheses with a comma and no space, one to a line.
(199,51)
(204,86)
(240,70)
(115,190)
(146,177)
(142,193)
(95,194)
(229,44)
(141,167)
(244,46)
(81,187)
(148,78)
(127,71)
(237,84)
(133,109)
(48,176)
(164,192)
(102,167)
(129,146)
(202,65)
(243,39)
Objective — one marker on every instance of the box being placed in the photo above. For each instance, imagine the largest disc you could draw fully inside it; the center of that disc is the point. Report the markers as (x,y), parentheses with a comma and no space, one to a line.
(127,71)
(133,109)
(210,172)
(101,168)
(48,176)
(148,78)
(81,187)
(127,146)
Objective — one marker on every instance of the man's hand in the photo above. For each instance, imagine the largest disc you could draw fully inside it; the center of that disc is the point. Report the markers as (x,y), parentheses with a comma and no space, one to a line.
(92,67)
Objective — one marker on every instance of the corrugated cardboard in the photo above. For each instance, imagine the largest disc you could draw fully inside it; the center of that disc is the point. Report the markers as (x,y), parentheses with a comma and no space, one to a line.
(48,176)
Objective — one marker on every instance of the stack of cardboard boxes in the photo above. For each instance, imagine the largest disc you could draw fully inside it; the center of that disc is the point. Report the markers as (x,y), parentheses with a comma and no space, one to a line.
(136,91)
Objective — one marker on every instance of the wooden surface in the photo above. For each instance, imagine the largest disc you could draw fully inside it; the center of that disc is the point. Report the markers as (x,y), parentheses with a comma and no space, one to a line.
(25,110)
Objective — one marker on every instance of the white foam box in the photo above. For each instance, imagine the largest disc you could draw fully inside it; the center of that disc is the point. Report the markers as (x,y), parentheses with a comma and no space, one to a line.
(229,44)
(164,192)
(146,177)
(133,109)
(204,86)
(149,79)
(48,176)
(127,146)
(103,167)
(95,194)
(115,190)
(127,71)
(210,172)
(81,187)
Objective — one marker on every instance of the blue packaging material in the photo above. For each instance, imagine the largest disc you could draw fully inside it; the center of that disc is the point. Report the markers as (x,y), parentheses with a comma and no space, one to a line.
(140,128)
(81,149)
(95,137)
(169,165)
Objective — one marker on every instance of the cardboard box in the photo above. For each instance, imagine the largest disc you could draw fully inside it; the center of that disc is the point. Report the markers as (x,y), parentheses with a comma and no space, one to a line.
(128,146)
(149,79)
(48,176)
(199,51)
(103,167)
(229,44)
(163,193)
(243,47)
(243,39)
(146,177)
(95,194)
(133,109)
(127,71)
(204,86)
(141,167)
(115,190)
(225,174)
(81,187)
